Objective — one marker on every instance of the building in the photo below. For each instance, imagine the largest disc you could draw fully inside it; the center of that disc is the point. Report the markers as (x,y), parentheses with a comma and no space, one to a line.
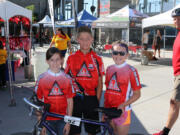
(152,7)
(62,8)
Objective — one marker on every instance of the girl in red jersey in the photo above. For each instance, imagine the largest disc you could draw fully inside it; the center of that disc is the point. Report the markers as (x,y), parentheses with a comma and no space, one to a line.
(122,88)
(54,87)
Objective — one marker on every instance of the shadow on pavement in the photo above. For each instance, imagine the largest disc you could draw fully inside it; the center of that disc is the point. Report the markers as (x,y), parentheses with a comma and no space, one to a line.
(136,127)
(15,119)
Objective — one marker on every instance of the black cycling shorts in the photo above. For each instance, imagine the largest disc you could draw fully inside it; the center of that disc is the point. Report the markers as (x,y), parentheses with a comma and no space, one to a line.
(63,52)
(84,108)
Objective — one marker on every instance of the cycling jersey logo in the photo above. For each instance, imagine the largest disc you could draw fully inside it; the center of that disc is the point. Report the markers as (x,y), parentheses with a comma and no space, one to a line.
(84,71)
(90,66)
(55,91)
(113,85)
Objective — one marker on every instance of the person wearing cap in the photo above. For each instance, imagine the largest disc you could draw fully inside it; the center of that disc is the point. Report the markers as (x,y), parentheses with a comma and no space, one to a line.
(175,99)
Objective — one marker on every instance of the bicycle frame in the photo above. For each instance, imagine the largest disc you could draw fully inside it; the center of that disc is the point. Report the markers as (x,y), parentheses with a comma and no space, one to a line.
(45,114)
(44,123)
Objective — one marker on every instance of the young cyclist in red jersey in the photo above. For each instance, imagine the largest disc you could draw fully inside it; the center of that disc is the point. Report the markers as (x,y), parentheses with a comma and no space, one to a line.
(87,69)
(122,88)
(54,87)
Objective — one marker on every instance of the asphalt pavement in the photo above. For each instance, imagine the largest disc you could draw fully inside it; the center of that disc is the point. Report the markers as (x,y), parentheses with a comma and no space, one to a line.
(149,112)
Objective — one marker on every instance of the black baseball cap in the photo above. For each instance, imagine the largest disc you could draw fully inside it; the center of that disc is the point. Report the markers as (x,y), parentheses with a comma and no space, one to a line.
(175,12)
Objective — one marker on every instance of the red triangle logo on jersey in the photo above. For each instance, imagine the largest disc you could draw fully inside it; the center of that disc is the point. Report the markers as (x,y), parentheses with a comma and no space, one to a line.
(84,71)
(55,91)
(113,85)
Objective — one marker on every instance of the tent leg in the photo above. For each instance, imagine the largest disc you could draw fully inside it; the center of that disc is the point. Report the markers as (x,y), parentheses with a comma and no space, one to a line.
(12,103)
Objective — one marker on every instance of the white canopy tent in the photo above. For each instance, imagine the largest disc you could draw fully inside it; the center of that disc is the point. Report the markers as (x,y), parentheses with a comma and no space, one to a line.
(118,19)
(163,19)
(46,21)
(8,10)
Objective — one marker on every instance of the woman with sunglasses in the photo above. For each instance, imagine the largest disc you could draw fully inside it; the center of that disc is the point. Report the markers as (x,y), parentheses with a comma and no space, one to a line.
(122,88)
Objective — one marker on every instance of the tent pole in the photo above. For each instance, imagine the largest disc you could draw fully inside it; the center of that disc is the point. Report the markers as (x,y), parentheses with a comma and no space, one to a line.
(142,37)
(13,102)
(75,16)
(31,44)
(128,35)
(164,37)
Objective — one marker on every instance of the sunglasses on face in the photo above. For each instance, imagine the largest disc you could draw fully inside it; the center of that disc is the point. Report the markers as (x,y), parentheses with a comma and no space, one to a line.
(121,53)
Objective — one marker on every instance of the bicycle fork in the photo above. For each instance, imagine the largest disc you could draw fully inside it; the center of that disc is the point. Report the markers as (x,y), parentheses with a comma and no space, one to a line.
(106,127)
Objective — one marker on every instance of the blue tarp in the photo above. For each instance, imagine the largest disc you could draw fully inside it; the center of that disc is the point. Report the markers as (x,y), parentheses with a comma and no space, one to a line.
(84,19)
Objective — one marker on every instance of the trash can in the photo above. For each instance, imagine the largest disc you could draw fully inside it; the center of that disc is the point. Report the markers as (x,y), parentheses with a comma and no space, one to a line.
(144,60)
(29,72)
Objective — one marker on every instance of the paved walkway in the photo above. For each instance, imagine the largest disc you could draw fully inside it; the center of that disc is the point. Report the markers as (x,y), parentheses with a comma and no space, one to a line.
(149,113)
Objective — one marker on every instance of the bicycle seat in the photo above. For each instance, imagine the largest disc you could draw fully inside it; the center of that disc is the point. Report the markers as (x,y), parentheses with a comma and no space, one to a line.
(110,112)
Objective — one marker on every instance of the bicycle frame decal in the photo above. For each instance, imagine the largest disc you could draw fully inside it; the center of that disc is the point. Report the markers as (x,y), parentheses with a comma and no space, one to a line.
(72,120)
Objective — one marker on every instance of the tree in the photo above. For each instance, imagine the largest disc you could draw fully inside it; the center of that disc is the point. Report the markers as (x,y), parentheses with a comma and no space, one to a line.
(34,16)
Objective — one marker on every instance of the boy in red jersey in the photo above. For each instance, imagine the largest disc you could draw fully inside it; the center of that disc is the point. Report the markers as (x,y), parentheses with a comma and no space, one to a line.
(54,87)
(87,69)
(122,88)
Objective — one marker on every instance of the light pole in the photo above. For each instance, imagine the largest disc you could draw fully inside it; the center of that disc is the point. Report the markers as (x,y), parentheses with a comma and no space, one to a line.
(75,15)
(85,5)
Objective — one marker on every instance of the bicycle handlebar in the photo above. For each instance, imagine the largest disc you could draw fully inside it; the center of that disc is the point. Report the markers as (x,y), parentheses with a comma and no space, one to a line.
(39,108)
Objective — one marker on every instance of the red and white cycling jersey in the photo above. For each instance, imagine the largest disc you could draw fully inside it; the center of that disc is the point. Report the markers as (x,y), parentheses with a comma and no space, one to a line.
(54,89)
(121,81)
(85,69)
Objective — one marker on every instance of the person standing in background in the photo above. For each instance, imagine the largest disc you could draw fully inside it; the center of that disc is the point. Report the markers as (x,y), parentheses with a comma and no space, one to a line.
(3,57)
(26,45)
(157,42)
(62,42)
(145,39)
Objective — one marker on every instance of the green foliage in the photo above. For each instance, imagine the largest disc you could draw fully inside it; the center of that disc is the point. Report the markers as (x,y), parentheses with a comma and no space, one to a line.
(34,16)
(30,7)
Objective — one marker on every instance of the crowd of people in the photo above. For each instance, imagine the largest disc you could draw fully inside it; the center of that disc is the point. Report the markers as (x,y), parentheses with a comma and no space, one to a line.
(77,89)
